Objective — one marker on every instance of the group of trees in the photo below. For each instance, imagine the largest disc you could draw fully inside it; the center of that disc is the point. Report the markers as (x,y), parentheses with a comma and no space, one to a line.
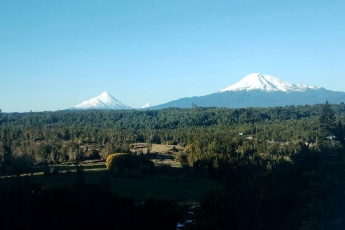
(69,136)
(306,193)
(282,167)
(303,189)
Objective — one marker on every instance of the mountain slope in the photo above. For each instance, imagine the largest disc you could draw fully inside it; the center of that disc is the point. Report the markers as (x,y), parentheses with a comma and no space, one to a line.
(103,101)
(256,90)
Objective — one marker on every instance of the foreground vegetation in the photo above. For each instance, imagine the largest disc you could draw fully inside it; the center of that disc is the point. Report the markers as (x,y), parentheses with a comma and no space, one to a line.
(265,168)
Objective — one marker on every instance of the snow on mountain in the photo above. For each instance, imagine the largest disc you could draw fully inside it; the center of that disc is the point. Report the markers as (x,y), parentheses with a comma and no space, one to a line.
(266,83)
(256,90)
(103,101)
(147,105)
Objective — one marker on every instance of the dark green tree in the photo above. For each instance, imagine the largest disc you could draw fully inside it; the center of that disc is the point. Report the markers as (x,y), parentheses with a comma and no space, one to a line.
(327,125)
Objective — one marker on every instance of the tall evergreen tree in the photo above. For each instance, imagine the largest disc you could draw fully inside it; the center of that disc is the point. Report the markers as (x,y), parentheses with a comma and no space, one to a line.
(327,121)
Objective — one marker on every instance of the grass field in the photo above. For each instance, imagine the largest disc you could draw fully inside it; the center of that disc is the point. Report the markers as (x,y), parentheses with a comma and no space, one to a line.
(172,183)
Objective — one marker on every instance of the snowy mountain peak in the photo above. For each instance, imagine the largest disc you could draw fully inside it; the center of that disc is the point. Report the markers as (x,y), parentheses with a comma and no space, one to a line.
(103,101)
(147,105)
(267,83)
(105,94)
(106,98)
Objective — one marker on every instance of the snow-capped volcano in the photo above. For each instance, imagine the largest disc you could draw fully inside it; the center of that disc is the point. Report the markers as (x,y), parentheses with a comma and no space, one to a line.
(103,101)
(266,83)
(256,90)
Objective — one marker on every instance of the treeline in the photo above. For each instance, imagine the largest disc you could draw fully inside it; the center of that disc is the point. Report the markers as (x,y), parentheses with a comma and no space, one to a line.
(170,118)
(69,136)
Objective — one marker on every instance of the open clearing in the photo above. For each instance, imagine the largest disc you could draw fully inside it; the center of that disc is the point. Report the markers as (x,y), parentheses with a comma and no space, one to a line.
(172,182)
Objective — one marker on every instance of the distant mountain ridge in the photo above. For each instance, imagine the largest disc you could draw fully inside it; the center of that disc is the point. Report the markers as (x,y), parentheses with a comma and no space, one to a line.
(256,90)
(103,101)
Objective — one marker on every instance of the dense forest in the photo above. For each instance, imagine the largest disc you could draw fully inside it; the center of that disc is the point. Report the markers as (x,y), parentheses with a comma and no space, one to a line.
(282,167)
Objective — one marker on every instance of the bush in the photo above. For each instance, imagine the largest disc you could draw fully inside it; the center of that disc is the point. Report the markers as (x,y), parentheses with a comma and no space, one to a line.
(126,163)
(110,158)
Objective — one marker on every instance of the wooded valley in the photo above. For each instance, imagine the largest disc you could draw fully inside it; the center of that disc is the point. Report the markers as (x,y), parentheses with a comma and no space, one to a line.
(279,167)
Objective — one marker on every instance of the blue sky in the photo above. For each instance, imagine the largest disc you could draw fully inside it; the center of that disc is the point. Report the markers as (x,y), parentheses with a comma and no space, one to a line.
(55,54)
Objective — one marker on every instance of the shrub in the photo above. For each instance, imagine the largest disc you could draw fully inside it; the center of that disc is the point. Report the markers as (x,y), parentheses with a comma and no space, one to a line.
(127,163)
(110,158)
